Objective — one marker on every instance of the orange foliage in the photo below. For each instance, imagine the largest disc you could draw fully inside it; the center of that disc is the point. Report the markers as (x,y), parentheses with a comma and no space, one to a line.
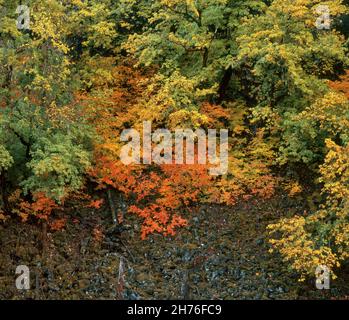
(216,114)
(96,204)
(41,208)
(158,194)
(58,224)
(2,216)
(97,234)
(113,110)
(342,85)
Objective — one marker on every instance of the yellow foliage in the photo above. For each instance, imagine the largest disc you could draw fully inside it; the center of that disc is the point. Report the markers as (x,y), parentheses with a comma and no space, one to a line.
(293,188)
(321,238)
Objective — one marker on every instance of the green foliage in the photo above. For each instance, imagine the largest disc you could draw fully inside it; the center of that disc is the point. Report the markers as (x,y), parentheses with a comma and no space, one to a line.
(320,238)
(57,165)
(195,38)
(5,159)
(286,60)
(43,132)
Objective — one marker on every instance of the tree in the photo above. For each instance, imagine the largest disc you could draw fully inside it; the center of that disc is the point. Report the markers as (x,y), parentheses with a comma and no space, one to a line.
(194,40)
(43,129)
(286,61)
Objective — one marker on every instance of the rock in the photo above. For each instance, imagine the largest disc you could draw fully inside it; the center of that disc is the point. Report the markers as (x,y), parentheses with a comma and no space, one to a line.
(142,277)
(134,296)
(187,256)
(280,290)
(259,242)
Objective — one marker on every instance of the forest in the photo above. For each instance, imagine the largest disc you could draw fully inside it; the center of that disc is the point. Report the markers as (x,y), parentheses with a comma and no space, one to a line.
(174,149)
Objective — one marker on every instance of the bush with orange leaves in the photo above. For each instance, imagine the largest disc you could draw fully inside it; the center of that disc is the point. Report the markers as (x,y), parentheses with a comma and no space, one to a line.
(155,193)
(342,85)
(41,207)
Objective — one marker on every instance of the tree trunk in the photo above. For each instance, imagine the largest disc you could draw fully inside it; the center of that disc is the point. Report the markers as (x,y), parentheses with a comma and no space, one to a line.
(112,208)
(224,84)
(3,197)
(185,288)
(205,58)
(44,237)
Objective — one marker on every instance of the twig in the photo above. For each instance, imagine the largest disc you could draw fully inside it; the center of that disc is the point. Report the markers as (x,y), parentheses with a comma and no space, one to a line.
(112,207)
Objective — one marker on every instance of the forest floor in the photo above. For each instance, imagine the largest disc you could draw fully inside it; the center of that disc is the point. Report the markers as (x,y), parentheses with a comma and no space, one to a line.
(221,254)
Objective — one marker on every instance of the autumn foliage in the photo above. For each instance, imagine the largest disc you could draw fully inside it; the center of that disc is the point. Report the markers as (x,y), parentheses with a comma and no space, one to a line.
(260,69)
